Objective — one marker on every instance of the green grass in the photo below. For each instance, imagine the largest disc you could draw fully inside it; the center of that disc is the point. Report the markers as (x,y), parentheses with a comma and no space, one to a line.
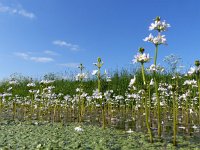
(119,83)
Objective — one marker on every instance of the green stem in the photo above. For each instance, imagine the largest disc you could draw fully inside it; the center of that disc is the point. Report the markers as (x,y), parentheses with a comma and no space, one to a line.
(157,93)
(156,55)
(143,76)
(158,108)
(187,115)
(146,106)
(174,119)
(99,80)
(147,118)
(103,117)
(32,106)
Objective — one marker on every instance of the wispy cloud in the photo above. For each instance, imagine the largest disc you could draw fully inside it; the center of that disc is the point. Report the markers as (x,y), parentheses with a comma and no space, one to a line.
(26,56)
(70,46)
(70,65)
(52,53)
(42,59)
(22,55)
(19,11)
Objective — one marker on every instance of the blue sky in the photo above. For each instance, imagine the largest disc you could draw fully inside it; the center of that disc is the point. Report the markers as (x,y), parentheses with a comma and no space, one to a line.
(37,37)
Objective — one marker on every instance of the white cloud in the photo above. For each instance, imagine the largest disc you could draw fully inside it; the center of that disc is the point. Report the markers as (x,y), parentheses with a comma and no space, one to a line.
(70,65)
(27,56)
(51,53)
(60,43)
(72,47)
(18,11)
(42,59)
(22,55)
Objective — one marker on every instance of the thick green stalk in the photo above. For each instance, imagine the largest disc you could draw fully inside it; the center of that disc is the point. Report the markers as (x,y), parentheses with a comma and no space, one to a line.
(174,119)
(143,76)
(157,93)
(99,80)
(103,117)
(158,108)
(187,115)
(79,107)
(146,106)
(32,106)
(156,55)
(82,108)
(147,119)
(102,103)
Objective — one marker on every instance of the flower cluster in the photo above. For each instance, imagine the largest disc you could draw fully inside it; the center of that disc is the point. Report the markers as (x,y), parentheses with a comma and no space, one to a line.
(81,76)
(159,39)
(156,68)
(132,82)
(190,82)
(193,70)
(159,25)
(13,82)
(141,58)
(45,82)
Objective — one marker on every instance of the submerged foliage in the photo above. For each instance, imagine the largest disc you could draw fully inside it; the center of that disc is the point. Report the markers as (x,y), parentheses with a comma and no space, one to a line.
(39,136)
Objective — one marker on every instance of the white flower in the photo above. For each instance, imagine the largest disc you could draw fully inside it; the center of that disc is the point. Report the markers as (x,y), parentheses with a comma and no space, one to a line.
(108,79)
(141,58)
(153,68)
(190,82)
(79,90)
(135,96)
(33,91)
(31,85)
(46,81)
(83,95)
(78,129)
(132,81)
(9,89)
(159,39)
(159,25)
(170,87)
(67,97)
(149,38)
(81,76)
(191,111)
(151,82)
(13,82)
(194,127)
(191,71)
(181,127)
(129,131)
(96,94)
(94,72)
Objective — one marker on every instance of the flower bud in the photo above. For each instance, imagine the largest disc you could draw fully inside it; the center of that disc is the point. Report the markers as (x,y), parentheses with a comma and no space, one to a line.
(197,63)
(141,50)
(99,60)
(158,18)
